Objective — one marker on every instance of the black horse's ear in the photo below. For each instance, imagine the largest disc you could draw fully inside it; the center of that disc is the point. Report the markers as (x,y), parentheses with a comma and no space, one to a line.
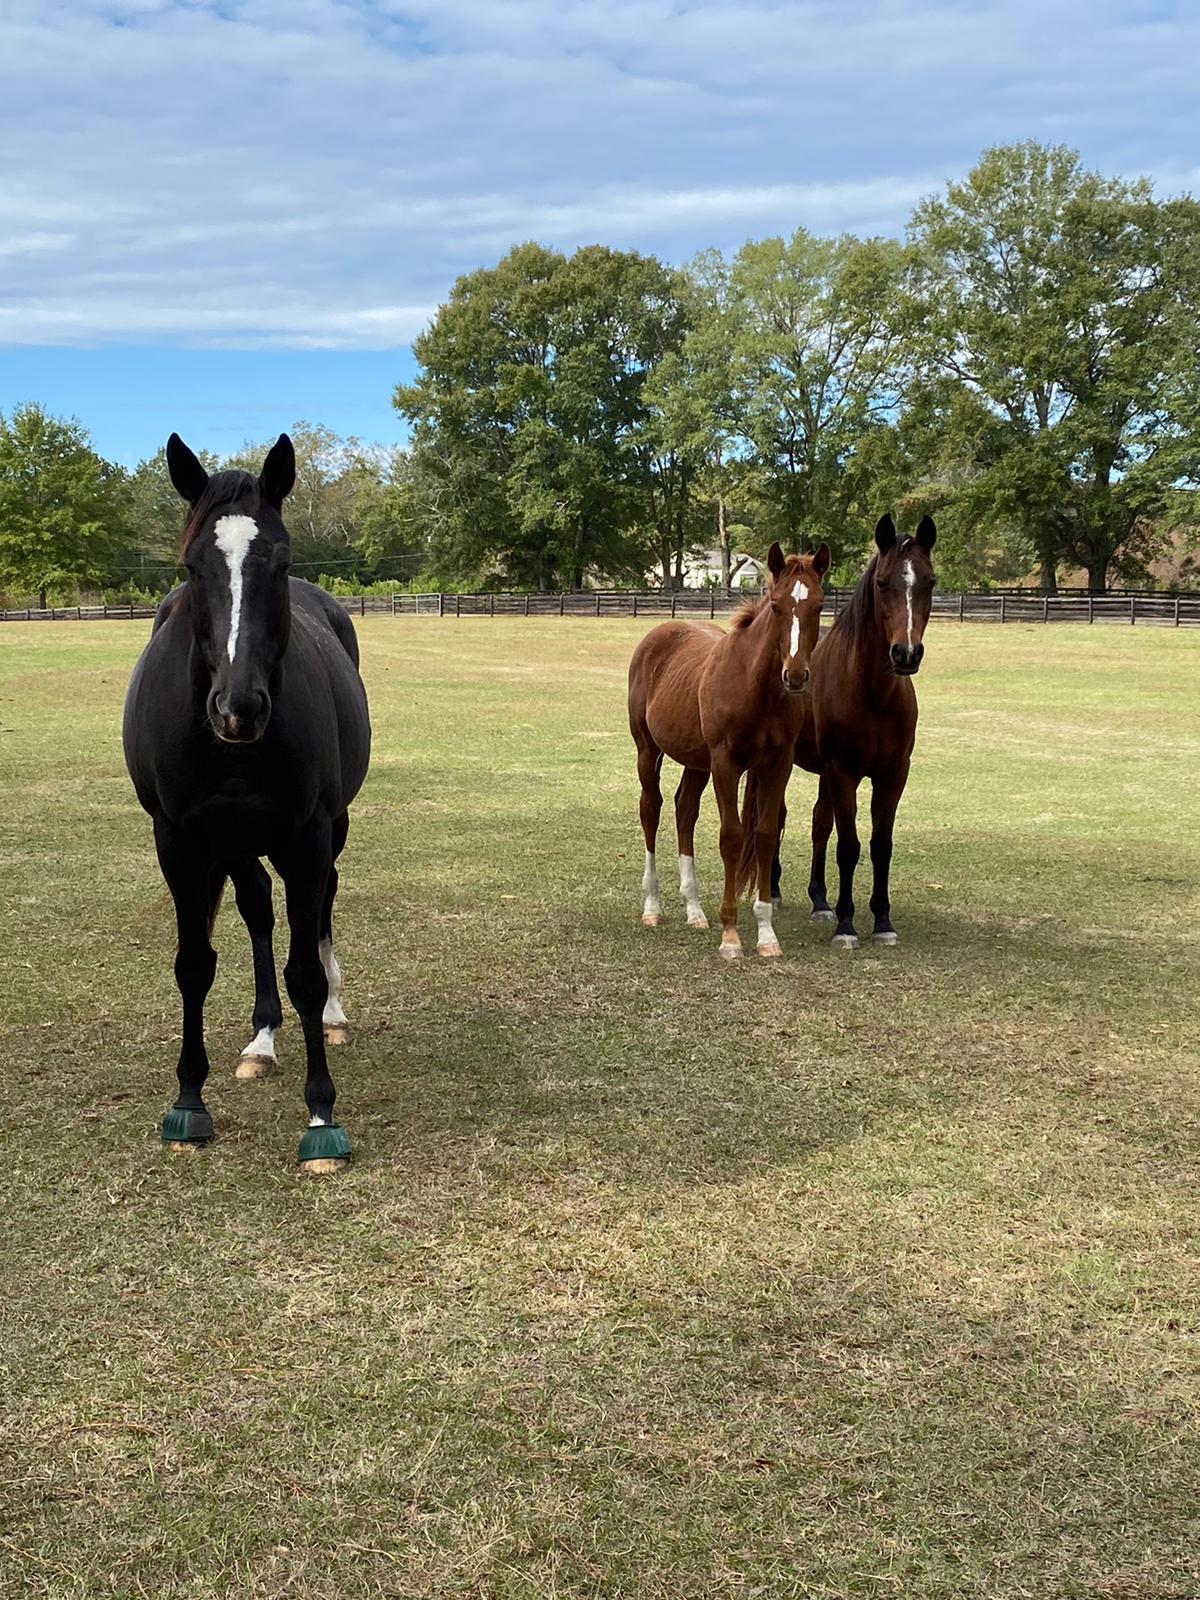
(926,533)
(775,560)
(279,472)
(885,532)
(821,561)
(187,475)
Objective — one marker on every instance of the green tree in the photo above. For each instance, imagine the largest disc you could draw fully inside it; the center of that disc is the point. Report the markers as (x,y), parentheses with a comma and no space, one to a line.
(529,417)
(813,330)
(63,508)
(1055,317)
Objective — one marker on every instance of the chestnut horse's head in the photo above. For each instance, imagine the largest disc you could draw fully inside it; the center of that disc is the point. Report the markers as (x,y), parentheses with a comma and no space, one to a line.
(904,590)
(796,597)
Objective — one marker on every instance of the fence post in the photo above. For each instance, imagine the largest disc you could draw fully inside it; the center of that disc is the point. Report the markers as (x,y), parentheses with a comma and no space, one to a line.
(562,604)
(962,604)
(1176,610)
(527,602)
(1132,609)
(1045,608)
(458,605)
(712,603)
(1002,600)
(362,605)
(597,602)
(673,604)
(393,602)
(635,603)
(1091,609)
(493,602)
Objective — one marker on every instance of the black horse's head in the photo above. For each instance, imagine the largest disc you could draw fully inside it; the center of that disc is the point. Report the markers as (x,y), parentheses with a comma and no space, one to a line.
(236,551)
(904,581)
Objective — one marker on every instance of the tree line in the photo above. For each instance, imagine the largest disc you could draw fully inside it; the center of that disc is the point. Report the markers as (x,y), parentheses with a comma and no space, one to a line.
(1024,365)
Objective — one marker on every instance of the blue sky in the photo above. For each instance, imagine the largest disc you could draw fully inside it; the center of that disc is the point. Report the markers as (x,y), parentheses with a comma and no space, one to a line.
(221,216)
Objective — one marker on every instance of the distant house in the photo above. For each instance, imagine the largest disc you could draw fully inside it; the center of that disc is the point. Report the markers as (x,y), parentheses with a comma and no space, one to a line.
(703,571)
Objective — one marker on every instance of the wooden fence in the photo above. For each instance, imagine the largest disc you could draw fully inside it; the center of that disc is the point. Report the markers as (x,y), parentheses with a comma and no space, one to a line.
(1162,610)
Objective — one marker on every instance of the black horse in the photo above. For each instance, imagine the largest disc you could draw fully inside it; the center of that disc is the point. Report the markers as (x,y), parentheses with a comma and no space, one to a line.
(246,735)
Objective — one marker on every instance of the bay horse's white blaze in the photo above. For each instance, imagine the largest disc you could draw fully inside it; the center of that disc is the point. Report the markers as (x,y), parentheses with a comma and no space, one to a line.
(333,1016)
(235,535)
(768,944)
(651,904)
(689,889)
(910,578)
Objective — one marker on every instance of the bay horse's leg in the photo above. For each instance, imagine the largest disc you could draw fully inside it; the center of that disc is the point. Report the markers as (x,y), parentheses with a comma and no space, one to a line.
(649,767)
(252,884)
(687,808)
(196,889)
(822,827)
(772,785)
(844,793)
(885,797)
(305,871)
(333,1018)
(776,865)
(726,778)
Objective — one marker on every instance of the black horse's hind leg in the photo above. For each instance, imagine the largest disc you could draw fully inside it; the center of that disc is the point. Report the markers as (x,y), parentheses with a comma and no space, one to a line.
(333,1018)
(195,887)
(252,883)
(885,797)
(305,870)
(822,826)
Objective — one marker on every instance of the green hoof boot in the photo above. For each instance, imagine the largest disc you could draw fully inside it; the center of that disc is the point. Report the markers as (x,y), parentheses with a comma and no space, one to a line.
(325,1148)
(186,1127)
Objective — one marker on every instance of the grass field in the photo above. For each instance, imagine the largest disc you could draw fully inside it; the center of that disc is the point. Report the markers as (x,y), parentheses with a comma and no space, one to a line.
(845,1275)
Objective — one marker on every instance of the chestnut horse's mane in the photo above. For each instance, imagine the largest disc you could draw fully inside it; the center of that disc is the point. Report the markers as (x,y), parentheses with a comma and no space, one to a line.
(222,489)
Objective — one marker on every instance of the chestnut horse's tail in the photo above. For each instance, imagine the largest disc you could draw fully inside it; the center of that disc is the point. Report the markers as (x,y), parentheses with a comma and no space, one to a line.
(747,861)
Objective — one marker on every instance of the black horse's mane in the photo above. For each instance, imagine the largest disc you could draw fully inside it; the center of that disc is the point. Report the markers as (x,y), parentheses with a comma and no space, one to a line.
(222,489)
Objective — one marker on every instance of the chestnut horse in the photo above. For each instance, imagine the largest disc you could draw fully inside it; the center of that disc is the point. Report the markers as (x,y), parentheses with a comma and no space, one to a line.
(722,704)
(862,721)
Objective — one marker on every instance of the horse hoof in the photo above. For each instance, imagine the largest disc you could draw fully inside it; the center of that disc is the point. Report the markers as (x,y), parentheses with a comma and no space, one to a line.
(700,922)
(337,1033)
(770,952)
(844,941)
(888,938)
(186,1129)
(824,916)
(322,1166)
(254,1066)
(325,1147)
(651,920)
(731,952)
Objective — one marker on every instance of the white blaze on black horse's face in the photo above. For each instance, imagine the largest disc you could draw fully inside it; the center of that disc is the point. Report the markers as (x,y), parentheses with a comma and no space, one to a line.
(236,552)
(904,584)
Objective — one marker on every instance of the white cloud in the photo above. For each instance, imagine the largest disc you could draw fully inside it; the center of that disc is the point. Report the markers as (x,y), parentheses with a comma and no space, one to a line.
(318,171)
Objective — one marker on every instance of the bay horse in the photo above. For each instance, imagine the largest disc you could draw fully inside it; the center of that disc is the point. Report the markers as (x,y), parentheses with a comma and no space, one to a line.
(861,721)
(246,735)
(723,704)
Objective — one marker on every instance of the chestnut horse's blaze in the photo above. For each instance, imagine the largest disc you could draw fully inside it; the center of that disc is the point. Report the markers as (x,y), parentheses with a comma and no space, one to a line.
(863,720)
(724,704)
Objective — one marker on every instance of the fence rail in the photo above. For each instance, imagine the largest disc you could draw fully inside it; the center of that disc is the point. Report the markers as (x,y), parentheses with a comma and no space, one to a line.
(1162,610)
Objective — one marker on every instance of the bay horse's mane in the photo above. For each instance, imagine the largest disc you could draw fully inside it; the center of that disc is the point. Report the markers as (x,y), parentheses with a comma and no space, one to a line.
(222,489)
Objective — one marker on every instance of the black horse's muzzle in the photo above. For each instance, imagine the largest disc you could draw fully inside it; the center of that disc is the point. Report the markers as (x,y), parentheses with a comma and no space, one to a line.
(241,717)
(906,659)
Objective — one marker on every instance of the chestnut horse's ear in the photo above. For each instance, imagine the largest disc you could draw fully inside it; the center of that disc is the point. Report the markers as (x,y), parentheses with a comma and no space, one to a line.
(775,560)
(279,472)
(926,533)
(821,561)
(885,532)
(187,475)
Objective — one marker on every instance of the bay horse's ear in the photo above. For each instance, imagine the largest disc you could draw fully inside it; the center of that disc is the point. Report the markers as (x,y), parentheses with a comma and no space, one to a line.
(775,560)
(279,472)
(885,532)
(187,475)
(926,533)
(821,561)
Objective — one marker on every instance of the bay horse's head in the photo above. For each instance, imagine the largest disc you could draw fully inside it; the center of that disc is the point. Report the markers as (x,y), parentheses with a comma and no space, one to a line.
(236,551)
(796,598)
(904,590)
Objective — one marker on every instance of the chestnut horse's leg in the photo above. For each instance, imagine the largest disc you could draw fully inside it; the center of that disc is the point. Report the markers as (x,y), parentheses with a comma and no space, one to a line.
(885,797)
(687,808)
(822,827)
(844,793)
(772,785)
(649,766)
(726,777)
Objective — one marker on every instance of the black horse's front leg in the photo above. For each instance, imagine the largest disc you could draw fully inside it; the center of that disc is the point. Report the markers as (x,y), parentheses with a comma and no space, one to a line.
(843,791)
(305,870)
(195,886)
